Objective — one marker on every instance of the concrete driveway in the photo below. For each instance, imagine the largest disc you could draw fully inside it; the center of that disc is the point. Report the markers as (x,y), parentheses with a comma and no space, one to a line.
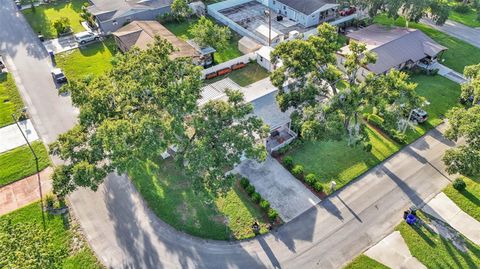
(61,44)
(284,192)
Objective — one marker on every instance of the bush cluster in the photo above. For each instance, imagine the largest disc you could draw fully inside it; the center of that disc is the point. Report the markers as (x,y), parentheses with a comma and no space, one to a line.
(378,122)
(310,179)
(459,184)
(257,198)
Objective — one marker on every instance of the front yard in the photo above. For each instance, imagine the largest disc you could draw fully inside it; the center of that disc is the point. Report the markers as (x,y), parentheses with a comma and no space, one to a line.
(245,76)
(42,17)
(336,160)
(180,29)
(10,100)
(93,59)
(169,193)
(18,163)
(469,199)
(65,244)
(459,54)
(442,94)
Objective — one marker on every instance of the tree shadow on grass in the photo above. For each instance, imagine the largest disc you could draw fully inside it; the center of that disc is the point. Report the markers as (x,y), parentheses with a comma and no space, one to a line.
(39,22)
(471,197)
(424,236)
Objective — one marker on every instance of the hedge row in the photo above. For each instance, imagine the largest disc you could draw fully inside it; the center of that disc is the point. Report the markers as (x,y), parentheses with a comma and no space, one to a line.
(378,122)
(257,198)
(298,171)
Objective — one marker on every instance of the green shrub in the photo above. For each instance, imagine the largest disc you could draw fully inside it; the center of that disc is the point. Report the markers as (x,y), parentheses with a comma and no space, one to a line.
(318,186)
(264,204)
(250,189)
(310,179)
(244,182)
(272,214)
(462,8)
(50,200)
(297,171)
(367,147)
(256,197)
(397,136)
(288,162)
(459,184)
(375,120)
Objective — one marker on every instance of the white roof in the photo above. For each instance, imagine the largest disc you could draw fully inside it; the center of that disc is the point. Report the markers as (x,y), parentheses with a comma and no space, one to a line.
(263,30)
(264,52)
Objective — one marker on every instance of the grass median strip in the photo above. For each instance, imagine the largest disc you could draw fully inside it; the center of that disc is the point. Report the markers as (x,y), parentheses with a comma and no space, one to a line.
(10,100)
(19,163)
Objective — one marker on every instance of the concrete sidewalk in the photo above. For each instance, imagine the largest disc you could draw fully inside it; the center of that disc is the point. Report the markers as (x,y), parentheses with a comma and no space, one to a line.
(24,192)
(11,137)
(441,207)
(393,252)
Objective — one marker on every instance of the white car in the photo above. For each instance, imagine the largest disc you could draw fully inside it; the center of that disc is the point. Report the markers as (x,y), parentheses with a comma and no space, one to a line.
(85,37)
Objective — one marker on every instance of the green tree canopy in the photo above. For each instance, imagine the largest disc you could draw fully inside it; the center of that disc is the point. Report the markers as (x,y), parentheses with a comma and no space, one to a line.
(463,123)
(180,9)
(145,104)
(471,88)
(206,33)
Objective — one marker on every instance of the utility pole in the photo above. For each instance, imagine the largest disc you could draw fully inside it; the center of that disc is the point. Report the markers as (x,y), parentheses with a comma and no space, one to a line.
(24,110)
(269,14)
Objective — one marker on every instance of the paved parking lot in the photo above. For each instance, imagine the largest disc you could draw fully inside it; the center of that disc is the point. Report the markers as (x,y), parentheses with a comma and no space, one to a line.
(284,192)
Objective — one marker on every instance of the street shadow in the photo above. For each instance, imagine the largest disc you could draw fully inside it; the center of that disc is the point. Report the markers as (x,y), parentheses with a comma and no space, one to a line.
(269,253)
(349,209)
(435,133)
(412,195)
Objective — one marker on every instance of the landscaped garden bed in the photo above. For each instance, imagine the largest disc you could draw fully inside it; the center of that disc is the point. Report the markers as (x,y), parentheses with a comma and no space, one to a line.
(180,29)
(459,53)
(41,18)
(10,100)
(171,195)
(19,163)
(93,59)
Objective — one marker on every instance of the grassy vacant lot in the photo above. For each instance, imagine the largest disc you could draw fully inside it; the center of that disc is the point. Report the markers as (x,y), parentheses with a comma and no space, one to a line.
(42,18)
(19,163)
(245,76)
(365,262)
(459,54)
(93,59)
(10,100)
(180,29)
(62,236)
(442,94)
(170,195)
(435,251)
(336,160)
(469,199)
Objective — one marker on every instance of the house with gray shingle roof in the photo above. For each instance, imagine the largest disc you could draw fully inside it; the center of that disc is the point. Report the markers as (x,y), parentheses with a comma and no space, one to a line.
(110,15)
(395,47)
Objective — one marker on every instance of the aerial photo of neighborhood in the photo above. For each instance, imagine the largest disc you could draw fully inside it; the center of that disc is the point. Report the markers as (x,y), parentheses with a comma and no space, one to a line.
(239,134)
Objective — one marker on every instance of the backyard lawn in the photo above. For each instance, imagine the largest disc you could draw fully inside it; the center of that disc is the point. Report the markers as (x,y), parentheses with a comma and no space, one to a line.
(10,100)
(171,196)
(245,76)
(19,162)
(442,94)
(365,262)
(93,59)
(42,17)
(60,236)
(336,160)
(435,251)
(180,29)
(459,54)
(469,199)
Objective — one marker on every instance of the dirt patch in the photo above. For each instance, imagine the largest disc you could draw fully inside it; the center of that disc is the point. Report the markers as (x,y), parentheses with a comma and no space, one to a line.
(446,231)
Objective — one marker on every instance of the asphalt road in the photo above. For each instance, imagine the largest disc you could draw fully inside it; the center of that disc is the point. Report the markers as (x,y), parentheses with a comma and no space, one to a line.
(458,30)
(124,233)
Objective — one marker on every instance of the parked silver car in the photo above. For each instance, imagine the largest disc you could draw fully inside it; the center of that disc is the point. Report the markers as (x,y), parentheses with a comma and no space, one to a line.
(85,37)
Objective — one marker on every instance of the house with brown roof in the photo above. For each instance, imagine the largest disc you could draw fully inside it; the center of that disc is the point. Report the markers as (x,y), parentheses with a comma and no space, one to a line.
(142,33)
(395,47)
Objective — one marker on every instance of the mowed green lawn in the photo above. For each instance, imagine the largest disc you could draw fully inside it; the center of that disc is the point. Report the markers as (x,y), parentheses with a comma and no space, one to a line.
(180,29)
(19,162)
(245,76)
(336,160)
(442,94)
(469,199)
(61,237)
(364,262)
(93,59)
(435,251)
(10,100)
(459,54)
(169,193)
(42,17)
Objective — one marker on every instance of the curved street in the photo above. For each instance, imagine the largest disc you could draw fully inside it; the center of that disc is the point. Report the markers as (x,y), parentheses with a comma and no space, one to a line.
(124,233)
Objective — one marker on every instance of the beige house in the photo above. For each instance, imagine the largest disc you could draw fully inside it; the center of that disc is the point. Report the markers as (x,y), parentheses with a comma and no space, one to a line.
(395,47)
(142,33)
